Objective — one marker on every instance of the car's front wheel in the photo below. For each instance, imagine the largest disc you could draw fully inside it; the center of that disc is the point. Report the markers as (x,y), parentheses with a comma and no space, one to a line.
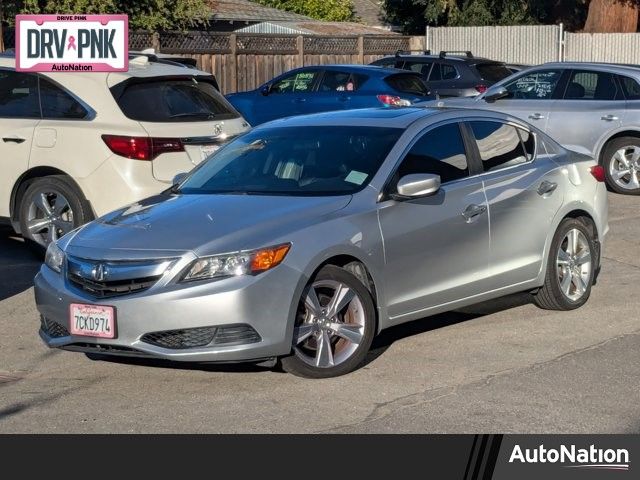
(334,328)
(571,267)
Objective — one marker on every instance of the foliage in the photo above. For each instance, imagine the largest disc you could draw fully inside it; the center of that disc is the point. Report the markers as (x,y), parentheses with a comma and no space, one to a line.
(331,10)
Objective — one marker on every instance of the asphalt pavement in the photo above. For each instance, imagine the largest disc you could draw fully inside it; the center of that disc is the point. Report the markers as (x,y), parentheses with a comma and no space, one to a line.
(502,366)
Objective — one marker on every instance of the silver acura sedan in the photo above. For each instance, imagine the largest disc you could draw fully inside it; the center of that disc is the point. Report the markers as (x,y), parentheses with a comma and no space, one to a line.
(304,238)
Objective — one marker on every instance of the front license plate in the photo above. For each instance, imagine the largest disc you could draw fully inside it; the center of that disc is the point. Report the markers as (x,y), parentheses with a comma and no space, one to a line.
(92,320)
(207,150)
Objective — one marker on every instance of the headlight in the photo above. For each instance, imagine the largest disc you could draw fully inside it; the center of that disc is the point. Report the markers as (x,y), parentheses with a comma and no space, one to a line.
(54,257)
(234,264)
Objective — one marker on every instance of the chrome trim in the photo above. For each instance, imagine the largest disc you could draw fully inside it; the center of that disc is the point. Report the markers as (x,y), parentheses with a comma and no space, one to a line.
(110,271)
(208,140)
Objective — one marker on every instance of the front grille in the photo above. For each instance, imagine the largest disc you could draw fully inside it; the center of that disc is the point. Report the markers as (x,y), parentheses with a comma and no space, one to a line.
(202,337)
(53,329)
(112,289)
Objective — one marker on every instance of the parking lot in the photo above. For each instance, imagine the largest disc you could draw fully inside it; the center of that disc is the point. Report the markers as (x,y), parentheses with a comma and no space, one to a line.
(502,366)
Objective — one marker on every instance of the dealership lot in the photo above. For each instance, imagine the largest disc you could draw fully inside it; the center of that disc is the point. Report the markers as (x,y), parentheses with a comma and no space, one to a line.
(502,366)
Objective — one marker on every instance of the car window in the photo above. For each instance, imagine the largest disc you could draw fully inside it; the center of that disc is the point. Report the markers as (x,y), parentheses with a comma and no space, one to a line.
(492,72)
(421,67)
(408,83)
(298,82)
(19,95)
(56,103)
(340,81)
(172,100)
(436,74)
(385,62)
(440,151)
(528,142)
(499,145)
(539,85)
(585,85)
(449,72)
(631,87)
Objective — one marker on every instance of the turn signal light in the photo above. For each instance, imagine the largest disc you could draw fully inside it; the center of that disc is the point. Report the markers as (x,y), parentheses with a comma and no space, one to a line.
(268,258)
(142,148)
(598,173)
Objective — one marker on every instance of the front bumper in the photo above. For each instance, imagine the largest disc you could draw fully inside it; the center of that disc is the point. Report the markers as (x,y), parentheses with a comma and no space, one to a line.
(264,302)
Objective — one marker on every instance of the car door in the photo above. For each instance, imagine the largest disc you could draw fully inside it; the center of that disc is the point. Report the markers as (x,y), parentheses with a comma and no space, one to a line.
(287,96)
(443,80)
(436,247)
(532,95)
(19,115)
(336,90)
(592,105)
(524,192)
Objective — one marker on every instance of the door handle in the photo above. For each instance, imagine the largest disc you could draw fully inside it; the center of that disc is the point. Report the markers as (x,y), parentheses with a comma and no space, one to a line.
(536,116)
(343,99)
(13,139)
(300,100)
(547,187)
(473,211)
(609,118)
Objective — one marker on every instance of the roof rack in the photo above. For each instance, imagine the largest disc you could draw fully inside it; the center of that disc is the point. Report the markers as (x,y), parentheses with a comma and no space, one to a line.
(444,53)
(409,52)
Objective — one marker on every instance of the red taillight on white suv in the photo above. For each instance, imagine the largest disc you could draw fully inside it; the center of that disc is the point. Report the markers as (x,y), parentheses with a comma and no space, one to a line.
(598,173)
(393,101)
(142,148)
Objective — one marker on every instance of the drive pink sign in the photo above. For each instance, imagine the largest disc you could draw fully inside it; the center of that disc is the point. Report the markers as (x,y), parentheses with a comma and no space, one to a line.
(72,43)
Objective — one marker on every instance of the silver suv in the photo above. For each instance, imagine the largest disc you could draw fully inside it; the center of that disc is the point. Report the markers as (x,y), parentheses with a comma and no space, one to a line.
(590,106)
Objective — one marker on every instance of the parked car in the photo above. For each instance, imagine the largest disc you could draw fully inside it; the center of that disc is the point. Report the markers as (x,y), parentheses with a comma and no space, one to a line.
(329,87)
(516,67)
(593,106)
(78,145)
(167,59)
(450,74)
(307,236)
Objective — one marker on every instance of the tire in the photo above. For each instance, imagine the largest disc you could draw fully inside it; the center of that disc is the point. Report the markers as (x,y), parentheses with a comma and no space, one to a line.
(67,209)
(317,328)
(569,275)
(617,158)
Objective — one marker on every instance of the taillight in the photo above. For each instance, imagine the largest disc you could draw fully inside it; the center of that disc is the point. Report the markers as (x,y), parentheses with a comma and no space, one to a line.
(598,173)
(141,148)
(394,101)
(481,88)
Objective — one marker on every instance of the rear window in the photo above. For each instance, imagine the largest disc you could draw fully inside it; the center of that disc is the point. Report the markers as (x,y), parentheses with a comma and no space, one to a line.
(409,84)
(172,100)
(492,72)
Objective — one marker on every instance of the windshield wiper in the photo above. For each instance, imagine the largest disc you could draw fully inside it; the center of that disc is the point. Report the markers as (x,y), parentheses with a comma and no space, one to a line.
(207,115)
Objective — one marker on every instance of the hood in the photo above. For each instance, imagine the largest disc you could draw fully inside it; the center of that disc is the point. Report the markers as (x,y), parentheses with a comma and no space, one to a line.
(204,224)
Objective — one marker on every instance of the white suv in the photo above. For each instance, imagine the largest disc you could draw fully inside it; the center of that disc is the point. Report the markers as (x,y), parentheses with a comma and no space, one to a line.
(74,146)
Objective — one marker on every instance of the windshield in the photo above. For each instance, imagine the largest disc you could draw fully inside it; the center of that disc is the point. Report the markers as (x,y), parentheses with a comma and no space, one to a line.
(327,160)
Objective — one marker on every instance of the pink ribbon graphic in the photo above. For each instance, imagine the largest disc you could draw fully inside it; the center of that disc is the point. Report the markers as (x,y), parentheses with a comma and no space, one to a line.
(72,43)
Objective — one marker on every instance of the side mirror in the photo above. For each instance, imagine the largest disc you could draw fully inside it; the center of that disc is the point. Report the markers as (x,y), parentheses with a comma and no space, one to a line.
(265,90)
(418,185)
(495,93)
(177,180)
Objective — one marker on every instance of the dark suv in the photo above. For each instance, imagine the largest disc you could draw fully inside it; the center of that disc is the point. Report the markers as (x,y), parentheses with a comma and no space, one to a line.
(450,74)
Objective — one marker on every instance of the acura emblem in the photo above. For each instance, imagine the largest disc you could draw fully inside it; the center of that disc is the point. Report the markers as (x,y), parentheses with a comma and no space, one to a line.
(217,129)
(99,272)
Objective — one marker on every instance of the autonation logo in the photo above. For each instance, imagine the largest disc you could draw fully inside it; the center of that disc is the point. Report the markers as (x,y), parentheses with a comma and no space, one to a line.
(573,457)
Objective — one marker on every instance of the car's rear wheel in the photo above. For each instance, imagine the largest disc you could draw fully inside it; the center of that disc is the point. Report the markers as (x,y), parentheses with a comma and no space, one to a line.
(621,162)
(51,207)
(570,268)
(335,326)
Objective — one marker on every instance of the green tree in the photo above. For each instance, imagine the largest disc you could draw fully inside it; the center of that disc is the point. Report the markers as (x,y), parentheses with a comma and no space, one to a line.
(330,10)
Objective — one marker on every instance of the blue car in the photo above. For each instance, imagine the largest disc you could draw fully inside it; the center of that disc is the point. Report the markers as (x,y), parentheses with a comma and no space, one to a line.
(330,87)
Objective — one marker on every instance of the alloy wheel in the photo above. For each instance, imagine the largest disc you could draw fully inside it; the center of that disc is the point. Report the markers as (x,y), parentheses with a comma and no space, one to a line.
(49,216)
(331,324)
(574,264)
(624,167)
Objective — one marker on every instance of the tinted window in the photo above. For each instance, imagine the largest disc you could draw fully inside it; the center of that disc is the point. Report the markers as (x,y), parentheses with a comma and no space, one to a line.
(448,72)
(419,67)
(18,95)
(57,103)
(439,151)
(171,100)
(499,145)
(492,72)
(296,83)
(410,83)
(340,81)
(591,86)
(436,74)
(538,85)
(528,142)
(631,88)
(332,160)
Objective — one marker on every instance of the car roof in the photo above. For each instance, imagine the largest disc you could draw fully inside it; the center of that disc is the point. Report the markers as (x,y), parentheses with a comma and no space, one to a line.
(455,58)
(365,69)
(613,67)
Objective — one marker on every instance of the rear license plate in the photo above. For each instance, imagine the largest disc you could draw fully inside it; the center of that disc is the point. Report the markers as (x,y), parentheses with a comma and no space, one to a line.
(92,320)
(206,150)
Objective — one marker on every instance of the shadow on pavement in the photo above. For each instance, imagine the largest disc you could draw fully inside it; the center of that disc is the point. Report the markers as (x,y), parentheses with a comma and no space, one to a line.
(18,265)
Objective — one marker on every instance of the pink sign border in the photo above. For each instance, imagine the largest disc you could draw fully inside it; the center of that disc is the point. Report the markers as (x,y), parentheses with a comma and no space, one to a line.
(97,66)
